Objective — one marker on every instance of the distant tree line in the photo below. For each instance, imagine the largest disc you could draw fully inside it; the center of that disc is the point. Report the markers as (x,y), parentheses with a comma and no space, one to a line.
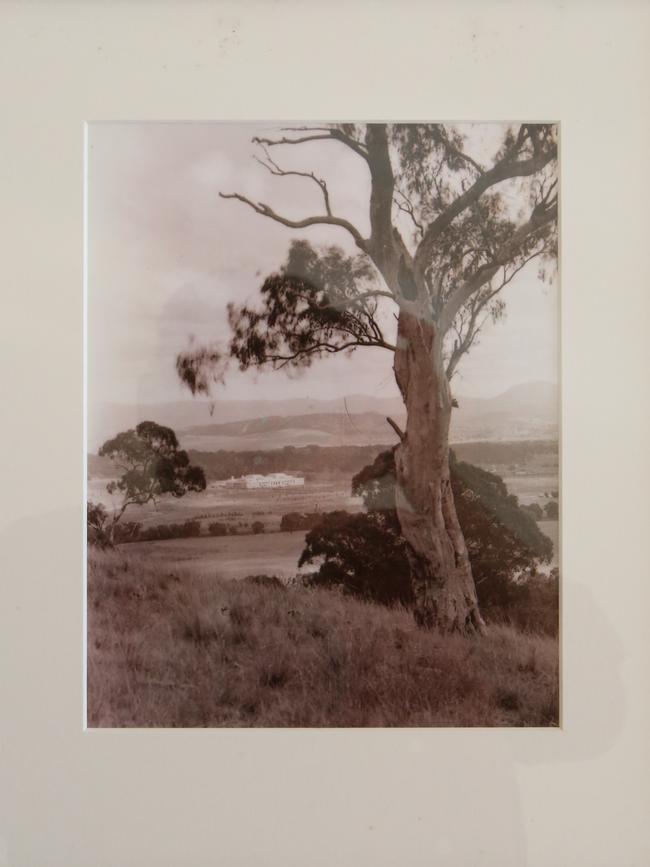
(351,459)
(99,527)
(504,453)
(223,464)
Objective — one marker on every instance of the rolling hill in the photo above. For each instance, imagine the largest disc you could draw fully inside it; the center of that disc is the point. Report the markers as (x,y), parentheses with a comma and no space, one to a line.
(528,411)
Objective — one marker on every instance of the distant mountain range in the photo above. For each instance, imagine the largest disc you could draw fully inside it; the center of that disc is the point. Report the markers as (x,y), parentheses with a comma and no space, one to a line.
(526,411)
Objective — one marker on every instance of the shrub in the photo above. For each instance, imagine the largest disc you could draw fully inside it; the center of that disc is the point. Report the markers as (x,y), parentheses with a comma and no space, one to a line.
(128,531)
(257,527)
(552,510)
(157,533)
(366,555)
(217,528)
(266,581)
(188,529)
(300,521)
(97,525)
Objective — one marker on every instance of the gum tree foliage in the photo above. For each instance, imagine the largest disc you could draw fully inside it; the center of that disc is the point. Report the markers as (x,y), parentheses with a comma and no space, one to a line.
(448,230)
(152,465)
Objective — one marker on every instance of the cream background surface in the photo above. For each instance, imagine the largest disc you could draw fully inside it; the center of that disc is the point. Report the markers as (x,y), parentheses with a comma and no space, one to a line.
(576,796)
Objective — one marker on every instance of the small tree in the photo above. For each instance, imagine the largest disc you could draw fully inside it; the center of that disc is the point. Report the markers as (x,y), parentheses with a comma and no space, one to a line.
(152,465)
(257,527)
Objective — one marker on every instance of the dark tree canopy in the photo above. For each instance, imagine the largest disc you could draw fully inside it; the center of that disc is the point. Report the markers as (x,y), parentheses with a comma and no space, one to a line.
(363,554)
(315,305)
(151,464)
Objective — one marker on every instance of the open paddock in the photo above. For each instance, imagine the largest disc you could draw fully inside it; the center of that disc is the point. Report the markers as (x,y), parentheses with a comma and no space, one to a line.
(237,506)
(225,556)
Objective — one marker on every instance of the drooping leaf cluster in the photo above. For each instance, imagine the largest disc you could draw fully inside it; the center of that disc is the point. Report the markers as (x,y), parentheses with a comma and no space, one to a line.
(198,368)
(313,306)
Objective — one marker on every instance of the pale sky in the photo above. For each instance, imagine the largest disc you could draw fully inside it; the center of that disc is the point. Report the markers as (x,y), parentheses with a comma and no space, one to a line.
(166,254)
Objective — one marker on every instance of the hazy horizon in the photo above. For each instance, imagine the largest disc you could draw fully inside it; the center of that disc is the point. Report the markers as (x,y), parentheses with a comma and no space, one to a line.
(221,396)
(535,400)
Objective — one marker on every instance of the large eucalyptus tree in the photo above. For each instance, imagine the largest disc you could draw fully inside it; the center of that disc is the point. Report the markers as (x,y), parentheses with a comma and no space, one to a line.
(448,230)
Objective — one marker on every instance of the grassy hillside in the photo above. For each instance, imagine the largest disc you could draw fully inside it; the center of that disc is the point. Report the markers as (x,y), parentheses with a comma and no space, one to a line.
(169,649)
(367,423)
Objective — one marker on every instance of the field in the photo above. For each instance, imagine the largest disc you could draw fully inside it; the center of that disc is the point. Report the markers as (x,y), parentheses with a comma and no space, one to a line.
(531,487)
(236,506)
(173,648)
(273,552)
(225,556)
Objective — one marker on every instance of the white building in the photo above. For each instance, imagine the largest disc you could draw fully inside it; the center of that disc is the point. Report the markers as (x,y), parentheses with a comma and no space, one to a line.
(273,480)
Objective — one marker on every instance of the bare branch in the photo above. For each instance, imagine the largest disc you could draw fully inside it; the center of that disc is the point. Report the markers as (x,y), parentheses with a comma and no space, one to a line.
(290,141)
(321,134)
(539,220)
(400,433)
(473,328)
(326,219)
(407,207)
(271,166)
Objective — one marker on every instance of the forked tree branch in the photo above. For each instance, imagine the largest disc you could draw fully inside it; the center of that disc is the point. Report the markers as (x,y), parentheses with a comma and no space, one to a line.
(400,433)
(330,348)
(323,133)
(474,327)
(503,170)
(325,220)
(271,166)
(539,220)
(407,207)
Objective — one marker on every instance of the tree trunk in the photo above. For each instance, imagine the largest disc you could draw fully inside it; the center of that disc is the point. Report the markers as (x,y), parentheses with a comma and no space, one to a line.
(442,579)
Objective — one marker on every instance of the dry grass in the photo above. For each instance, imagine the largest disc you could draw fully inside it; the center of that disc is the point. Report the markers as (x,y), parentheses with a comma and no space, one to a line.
(168,649)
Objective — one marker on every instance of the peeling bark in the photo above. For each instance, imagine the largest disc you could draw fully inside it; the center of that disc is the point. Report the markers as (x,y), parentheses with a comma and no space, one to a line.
(440,569)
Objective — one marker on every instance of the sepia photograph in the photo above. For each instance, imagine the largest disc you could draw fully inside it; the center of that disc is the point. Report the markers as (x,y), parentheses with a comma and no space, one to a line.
(322,424)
